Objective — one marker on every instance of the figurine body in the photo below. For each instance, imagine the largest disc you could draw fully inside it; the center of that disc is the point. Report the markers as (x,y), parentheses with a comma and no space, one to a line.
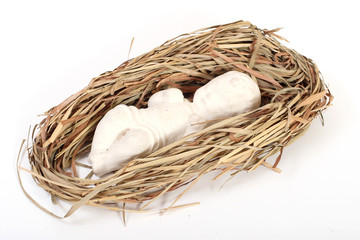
(126,132)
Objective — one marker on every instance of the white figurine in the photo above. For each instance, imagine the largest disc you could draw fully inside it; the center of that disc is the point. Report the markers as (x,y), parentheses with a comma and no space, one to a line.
(126,132)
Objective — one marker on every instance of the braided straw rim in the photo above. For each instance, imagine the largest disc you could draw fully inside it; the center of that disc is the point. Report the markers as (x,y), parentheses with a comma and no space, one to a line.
(293,94)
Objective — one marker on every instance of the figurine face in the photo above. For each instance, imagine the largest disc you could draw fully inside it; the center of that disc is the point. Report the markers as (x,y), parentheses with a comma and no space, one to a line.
(227,95)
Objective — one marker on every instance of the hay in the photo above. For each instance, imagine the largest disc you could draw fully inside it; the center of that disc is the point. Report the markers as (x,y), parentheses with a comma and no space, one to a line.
(292,90)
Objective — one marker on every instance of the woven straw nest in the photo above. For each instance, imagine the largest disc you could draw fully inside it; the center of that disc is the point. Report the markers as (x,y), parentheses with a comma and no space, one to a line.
(292,91)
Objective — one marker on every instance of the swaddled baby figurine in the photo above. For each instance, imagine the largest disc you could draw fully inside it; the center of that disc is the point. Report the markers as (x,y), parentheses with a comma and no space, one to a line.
(126,132)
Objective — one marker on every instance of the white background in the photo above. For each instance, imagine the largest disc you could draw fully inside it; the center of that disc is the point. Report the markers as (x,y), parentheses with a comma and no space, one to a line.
(51,49)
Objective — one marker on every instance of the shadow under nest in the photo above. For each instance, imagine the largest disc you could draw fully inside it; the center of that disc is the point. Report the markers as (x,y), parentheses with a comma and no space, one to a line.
(292,92)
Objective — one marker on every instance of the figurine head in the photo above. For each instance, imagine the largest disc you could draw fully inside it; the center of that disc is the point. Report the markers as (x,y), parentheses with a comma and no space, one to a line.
(227,95)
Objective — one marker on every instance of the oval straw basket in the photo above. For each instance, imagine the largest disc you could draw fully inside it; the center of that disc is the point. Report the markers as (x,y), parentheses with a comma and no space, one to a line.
(292,90)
